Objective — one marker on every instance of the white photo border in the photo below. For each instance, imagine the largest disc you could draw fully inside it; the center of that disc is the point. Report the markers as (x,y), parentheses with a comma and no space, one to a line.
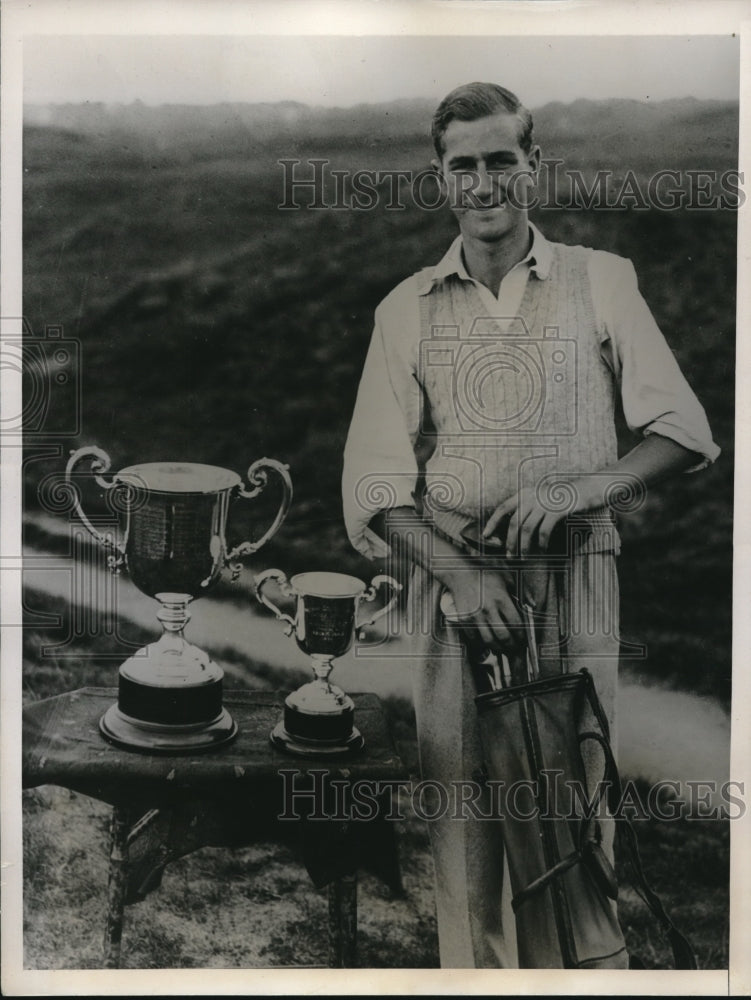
(435,17)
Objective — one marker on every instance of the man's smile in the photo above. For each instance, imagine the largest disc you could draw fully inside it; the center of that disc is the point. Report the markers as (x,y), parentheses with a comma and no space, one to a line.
(495,207)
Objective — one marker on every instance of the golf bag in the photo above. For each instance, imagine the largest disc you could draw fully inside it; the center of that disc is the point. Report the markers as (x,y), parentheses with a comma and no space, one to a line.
(564,886)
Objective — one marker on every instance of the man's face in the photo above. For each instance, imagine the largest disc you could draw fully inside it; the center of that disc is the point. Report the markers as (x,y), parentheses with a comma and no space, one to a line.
(489,176)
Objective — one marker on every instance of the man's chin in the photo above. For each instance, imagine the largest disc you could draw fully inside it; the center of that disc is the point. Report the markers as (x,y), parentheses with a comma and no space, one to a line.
(490,226)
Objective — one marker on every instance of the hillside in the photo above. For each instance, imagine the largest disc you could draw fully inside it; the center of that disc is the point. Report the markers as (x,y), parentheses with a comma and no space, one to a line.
(686,126)
(215,327)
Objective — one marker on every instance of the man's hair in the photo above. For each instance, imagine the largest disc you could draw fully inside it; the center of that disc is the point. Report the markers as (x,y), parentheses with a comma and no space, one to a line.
(479,100)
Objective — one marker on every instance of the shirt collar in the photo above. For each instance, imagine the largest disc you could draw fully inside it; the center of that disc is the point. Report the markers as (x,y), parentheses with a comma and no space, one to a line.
(538,259)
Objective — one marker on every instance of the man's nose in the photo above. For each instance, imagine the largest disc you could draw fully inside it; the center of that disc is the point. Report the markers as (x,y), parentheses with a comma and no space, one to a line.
(485,181)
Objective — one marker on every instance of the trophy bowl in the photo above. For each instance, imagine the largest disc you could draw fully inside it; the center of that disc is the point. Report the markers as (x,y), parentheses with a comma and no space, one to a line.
(175,519)
(319,717)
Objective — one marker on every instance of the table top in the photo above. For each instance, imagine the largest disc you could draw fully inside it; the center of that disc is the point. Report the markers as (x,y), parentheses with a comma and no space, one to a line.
(62,745)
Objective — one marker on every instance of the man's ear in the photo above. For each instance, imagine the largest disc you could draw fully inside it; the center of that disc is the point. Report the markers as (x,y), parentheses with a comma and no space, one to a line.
(534,160)
(438,168)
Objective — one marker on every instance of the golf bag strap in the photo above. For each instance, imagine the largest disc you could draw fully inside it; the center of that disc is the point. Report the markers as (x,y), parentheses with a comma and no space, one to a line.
(683,953)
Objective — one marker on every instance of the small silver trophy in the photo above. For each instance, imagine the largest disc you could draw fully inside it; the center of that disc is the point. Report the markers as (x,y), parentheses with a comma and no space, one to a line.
(319,716)
(175,520)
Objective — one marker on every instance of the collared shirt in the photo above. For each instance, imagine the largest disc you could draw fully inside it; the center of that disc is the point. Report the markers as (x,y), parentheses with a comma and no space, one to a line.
(537,261)
(380,468)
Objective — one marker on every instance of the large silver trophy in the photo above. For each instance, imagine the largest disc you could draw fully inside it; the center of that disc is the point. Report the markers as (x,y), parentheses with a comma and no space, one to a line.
(319,716)
(175,520)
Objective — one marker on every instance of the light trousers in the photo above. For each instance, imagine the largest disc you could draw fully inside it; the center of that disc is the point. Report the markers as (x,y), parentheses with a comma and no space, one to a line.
(579,605)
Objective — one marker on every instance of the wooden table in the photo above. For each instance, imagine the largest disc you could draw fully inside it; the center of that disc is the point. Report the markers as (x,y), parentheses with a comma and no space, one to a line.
(167,806)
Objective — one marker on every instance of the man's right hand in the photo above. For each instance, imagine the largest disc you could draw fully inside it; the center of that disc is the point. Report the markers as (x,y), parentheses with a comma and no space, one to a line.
(482,600)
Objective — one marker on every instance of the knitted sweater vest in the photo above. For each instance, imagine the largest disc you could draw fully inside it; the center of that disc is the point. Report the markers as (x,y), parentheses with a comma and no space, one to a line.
(512,405)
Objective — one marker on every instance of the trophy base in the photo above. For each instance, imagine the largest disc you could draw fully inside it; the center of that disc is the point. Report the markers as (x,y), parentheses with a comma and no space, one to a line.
(300,747)
(166,738)
(169,701)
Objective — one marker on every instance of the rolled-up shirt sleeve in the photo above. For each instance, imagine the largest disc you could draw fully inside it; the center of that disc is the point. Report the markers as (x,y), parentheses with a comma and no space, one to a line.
(656,397)
(380,468)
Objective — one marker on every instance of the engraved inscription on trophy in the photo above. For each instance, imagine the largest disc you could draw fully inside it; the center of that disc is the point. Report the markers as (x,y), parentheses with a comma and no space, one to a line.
(319,716)
(331,624)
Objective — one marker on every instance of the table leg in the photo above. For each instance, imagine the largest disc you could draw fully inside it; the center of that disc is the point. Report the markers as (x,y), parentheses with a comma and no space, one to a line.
(117,885)
(343,922)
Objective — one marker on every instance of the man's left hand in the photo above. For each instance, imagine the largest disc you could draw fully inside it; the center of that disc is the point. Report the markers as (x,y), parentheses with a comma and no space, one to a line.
(532,521)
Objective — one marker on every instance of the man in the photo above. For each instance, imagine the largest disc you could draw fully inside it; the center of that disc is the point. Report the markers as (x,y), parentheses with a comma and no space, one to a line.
(487,399)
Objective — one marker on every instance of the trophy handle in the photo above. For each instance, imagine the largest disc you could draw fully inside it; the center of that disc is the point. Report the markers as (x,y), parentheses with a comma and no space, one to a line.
(258,476)
(370,594)
(100,464)
(260,581)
